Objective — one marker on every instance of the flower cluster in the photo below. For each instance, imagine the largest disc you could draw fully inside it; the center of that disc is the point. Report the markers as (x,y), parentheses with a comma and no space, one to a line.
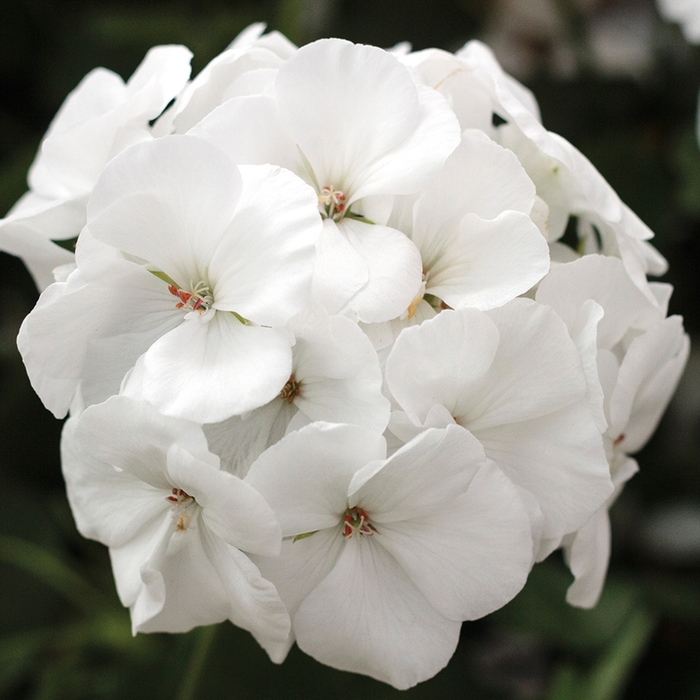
(331,372)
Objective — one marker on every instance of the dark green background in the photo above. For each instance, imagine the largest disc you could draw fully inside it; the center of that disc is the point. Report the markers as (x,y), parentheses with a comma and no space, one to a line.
(63,633)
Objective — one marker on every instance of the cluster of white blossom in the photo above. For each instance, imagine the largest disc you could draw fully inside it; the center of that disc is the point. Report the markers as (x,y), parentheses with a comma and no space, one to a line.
(331,373)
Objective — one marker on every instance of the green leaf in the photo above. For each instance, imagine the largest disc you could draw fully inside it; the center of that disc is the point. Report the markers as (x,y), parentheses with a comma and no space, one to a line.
(51,571)
(609,677)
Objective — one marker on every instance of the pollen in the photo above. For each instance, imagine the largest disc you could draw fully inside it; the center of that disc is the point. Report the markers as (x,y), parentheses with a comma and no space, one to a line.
(356,521)
(332,203)
(291,390)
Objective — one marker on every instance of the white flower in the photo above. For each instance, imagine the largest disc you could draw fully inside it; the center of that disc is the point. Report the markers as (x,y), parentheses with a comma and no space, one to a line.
(98,120)
(352,122)
(513,377)
(684,12)
(335,377)
(479,247)
(214,262)
(176,525)
(633,359)
(247,67)
(568,184)
(385,557)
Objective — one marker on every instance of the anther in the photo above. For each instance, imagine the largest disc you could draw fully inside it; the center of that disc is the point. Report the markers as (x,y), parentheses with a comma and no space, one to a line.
(291,390)
(355,520)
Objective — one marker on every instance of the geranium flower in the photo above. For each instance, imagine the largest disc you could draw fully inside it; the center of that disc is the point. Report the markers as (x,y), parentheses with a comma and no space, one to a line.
(384,558)
(199,276)
(353,123)
(335,377)
(513,377)
(176,525)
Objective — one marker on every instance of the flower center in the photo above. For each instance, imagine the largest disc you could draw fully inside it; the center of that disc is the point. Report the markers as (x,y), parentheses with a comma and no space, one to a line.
(332,203)
(291,390)
(356,521)
(199,298)
(181,501)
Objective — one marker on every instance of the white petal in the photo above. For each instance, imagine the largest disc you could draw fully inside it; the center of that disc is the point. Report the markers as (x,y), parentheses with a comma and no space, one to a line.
(604,280)
(108,505)
(305,476)
(471,555)
(133,436)
(559,458)
(231,509)
(302,564)
(339,373)
(254,603)
(263,265)
(360,107)
(480,178)
(648,376)
(431,470)
(168,202)
(249,130)
(488,263)
(367,617)
(240,440)
(208,371)
(441,361)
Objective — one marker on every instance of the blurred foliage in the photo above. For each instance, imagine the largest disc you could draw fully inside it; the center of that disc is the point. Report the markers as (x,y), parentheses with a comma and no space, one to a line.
(63,633)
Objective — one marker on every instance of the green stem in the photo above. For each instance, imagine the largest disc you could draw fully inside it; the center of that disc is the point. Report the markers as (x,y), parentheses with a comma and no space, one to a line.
(190,681)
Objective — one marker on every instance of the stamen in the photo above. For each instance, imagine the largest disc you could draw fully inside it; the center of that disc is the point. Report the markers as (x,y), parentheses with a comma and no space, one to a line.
(355,520)
(179,496)
(181,501)
(618,439)
(199,298)
(291,390)
(332,202)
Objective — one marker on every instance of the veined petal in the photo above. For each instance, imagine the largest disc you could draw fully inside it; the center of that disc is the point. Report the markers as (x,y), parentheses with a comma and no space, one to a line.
(168,202)
(209,371)
(431,470)
(305,476)
(471,555)
(394,266)
(489,262)
(359,103)
(367,616)
(232,509)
